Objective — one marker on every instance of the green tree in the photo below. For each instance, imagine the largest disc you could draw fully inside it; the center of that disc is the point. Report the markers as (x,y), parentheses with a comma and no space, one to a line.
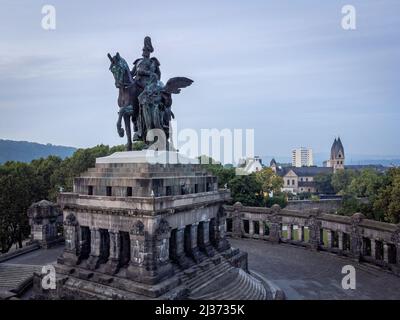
(341,180)
(18,189)
(269,181)
(280,199)
(387,200)
(246,189)
(366,184)
(44,169)
(323,183)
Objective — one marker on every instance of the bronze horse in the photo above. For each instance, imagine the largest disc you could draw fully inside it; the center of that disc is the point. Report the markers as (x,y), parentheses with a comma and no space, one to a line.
(128,102)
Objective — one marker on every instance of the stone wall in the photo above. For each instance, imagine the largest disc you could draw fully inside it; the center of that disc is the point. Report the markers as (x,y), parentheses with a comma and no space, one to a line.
(356,237)
(325,205)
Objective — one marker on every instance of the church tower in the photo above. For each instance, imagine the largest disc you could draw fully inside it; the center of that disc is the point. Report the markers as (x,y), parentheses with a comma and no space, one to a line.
(337,155)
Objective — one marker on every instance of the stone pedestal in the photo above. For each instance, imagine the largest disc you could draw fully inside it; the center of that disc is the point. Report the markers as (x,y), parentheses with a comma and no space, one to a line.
(143,220)
(44,219)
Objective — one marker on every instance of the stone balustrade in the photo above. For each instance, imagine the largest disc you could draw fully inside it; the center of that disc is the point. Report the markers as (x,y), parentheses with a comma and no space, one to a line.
(356,237)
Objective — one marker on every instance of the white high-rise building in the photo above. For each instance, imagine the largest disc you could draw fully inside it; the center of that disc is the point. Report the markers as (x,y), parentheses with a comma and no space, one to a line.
(302,157)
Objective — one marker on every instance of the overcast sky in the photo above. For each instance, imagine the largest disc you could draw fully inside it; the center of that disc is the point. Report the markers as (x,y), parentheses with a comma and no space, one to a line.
(285,68)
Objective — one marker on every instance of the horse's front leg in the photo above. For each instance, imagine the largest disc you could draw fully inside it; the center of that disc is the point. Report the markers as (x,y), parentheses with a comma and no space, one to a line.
(119,125)
(128,131)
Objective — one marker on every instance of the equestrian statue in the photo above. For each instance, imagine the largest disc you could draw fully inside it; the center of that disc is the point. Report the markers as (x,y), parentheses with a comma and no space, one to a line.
(143,99)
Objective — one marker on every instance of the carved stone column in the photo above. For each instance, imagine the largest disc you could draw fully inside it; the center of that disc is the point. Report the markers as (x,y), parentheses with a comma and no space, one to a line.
(261,228)
(385,253)
(275,224)
(396,241)
(289,228)
(178,248)
(137,239)
(355,236)
(71,234)
(204,238)
(373,249)
(237,228)
(314,227)
(149,253)
(191,243)
(113,263)
(340,240)
(221,243)
(251,228)
(94,258)
(300,233)
(329,237)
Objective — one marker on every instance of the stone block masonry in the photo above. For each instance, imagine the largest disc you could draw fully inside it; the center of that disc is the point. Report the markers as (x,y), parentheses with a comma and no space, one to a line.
(136,224)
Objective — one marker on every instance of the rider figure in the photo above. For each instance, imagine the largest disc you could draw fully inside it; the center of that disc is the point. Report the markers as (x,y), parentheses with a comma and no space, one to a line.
(144,70)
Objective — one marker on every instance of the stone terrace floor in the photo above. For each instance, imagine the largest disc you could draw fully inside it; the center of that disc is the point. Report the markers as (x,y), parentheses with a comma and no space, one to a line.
(304,274)
(300,273)
(16,271)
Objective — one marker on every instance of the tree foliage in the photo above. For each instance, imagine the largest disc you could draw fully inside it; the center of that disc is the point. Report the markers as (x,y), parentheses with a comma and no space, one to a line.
(21,184)
(387,200)
(269,181)
(246,189)
(323,183)
(19,187)
(341,179)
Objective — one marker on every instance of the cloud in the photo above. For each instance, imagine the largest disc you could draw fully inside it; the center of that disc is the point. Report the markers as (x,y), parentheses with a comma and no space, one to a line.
(286,69)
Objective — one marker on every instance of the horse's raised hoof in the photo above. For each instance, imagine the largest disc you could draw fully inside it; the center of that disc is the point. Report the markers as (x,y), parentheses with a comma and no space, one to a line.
(121,132)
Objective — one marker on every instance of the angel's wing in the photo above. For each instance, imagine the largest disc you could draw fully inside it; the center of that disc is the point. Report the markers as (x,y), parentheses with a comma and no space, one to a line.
(174,85)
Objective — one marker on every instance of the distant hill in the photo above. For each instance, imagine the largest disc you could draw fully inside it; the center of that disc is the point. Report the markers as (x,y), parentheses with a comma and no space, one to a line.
(25,151)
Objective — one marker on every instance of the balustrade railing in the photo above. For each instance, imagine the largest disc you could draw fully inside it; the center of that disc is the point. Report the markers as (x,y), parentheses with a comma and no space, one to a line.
(355,236)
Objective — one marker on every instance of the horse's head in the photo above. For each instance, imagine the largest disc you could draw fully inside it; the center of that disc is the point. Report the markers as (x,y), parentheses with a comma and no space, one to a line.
(120,70)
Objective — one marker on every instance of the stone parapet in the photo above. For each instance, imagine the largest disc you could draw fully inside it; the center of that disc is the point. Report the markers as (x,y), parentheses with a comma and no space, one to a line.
(356,237)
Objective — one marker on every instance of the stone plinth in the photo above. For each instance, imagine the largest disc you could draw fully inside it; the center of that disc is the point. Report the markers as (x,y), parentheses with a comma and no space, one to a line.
(44,219)
(137,221)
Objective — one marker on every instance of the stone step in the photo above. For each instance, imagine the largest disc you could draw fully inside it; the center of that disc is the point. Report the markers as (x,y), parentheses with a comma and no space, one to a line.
(243,287)
(14,277)
(240,289)
(204,277)
(199,272)
(231,286)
